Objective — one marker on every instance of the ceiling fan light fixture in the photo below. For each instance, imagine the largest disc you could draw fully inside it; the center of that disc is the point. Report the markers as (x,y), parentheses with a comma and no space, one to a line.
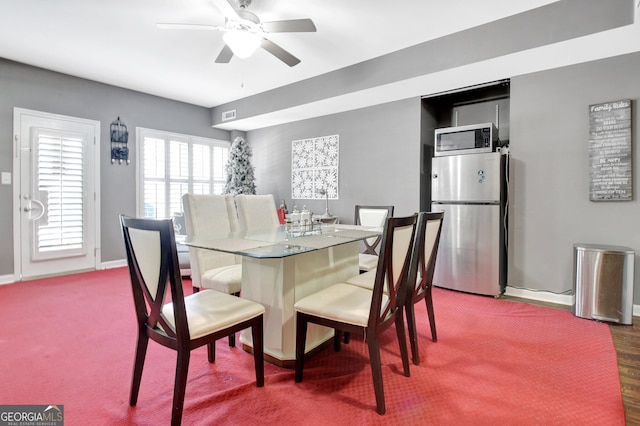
(242,43)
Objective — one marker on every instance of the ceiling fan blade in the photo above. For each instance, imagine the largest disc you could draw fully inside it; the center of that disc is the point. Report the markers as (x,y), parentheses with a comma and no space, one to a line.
(290,26)
(225,55)
(227,10)
(279,52)
(170,26)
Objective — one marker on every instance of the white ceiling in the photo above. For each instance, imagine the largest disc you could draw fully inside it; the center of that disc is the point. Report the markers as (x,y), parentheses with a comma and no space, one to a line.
(117,41)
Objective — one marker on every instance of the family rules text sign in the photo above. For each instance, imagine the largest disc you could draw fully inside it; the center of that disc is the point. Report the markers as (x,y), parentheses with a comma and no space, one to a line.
(610,159)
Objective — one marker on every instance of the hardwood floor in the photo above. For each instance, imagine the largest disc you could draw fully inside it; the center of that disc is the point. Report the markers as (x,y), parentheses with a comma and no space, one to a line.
(626,340)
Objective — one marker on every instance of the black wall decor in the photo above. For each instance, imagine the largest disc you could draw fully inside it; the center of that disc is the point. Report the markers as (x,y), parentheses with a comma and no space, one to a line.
(119,139)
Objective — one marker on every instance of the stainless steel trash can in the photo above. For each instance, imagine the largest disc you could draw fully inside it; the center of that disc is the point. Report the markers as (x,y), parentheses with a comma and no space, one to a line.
(603,282)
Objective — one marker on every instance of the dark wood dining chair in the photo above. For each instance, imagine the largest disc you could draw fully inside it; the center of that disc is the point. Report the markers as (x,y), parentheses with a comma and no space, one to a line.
(357,310)
(374,216)
(423,262)
(185,322)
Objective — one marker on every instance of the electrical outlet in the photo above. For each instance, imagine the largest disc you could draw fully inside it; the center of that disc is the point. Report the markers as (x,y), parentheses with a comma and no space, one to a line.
(6,178)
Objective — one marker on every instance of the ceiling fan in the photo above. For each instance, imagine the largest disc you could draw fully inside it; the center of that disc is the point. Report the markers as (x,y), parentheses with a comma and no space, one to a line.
(244,33)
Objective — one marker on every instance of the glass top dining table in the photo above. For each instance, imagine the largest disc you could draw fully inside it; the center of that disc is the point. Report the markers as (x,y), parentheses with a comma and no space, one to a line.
(279,267)
(278,242)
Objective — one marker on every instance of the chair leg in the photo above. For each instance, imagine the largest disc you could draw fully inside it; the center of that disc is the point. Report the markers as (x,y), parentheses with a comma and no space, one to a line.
(376,371)
(428,299)
(182,368)
(402,341)
(301,338)
(211,351)
(413,334)
(337,336)
(141,352)
(257,334)
(232,337)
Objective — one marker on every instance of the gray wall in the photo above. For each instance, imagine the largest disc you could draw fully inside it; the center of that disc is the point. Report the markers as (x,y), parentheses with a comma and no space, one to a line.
(33,88)
(550,207)
(379,158)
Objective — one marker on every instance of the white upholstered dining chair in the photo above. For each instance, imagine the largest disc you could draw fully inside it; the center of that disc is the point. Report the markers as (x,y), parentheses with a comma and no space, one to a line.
(256,212)
(185,322)
(356,310)
(212,216)
(423,265)
(373,216)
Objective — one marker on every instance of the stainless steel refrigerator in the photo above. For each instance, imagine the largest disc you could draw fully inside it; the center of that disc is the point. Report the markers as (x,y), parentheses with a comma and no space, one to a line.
(471,190)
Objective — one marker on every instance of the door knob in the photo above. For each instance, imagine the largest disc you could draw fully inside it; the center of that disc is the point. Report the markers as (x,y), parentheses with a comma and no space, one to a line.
(29,208)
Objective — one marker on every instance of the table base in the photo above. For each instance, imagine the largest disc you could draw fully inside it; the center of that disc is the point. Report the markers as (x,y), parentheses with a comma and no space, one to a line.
(279,283)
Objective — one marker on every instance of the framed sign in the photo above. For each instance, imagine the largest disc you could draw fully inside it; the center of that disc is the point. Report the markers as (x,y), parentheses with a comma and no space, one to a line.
(610,160)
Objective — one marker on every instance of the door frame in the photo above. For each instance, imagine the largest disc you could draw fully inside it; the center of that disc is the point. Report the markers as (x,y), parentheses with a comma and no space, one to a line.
(18,114)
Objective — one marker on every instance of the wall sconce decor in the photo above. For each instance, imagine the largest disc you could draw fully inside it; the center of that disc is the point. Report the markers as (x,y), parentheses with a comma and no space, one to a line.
(119,138)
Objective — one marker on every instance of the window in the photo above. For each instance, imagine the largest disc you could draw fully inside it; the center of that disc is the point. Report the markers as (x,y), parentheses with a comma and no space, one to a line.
(60,175)
(170,165)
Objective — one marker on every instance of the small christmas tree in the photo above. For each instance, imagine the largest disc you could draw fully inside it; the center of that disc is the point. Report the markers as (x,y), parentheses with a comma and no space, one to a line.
(240,179)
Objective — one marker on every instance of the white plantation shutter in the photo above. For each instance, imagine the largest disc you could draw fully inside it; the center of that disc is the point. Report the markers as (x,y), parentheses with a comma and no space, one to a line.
(154,177)
(60,176)
(178,174)
(173,165)
(220,158)
(202,169)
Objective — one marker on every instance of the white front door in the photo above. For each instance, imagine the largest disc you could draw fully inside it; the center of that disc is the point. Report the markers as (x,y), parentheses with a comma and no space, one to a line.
(57,212)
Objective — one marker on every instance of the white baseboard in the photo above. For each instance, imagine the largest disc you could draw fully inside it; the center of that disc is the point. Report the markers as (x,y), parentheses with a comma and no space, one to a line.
(542,296)
(7,279)
(545,296)
(113,264)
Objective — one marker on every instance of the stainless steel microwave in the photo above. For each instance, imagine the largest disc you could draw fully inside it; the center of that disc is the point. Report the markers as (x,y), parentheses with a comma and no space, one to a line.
(471,139)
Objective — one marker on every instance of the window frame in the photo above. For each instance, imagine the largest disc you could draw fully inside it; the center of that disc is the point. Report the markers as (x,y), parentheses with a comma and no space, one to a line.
(217,177)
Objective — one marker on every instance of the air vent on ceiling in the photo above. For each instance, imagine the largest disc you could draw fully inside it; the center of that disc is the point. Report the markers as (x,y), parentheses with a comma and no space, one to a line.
(229,115)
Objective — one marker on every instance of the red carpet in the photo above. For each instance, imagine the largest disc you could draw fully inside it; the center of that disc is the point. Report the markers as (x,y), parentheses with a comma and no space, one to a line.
(70,341)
